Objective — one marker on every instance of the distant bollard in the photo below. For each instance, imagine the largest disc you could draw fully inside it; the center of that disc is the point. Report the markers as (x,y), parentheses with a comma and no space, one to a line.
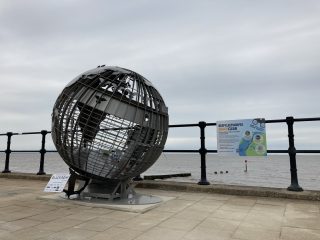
(138,178)
(8,152)
(246,166)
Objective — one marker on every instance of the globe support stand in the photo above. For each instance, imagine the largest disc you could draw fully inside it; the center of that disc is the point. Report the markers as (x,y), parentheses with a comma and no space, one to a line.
(72,184)
(110,190)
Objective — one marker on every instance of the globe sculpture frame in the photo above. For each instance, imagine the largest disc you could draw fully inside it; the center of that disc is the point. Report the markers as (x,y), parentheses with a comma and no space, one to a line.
(109,125)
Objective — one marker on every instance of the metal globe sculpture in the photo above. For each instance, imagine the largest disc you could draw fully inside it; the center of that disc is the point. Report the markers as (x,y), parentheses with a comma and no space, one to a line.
(109,124)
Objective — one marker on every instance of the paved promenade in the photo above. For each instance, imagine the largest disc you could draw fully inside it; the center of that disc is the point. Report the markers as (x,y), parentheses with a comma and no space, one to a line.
(188,216)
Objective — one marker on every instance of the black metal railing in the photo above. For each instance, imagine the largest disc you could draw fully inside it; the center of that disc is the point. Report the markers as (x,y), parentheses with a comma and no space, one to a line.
(292,151)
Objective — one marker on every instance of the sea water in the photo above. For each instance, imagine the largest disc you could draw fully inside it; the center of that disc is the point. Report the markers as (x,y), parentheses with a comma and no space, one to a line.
(270,171)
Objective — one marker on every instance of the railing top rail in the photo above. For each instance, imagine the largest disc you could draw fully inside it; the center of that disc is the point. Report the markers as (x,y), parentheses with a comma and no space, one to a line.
(184,125)
(6,134)
(27,133)
(193,125)
(267,121)
(187,151)
(306,119)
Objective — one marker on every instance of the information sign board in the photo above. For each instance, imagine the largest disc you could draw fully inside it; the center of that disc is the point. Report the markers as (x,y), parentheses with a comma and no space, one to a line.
(57,182)
(246,137)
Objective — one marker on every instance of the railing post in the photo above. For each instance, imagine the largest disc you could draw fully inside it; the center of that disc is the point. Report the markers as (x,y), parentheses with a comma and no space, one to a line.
(203,152)
(42,152)
(8,151)
(292,155)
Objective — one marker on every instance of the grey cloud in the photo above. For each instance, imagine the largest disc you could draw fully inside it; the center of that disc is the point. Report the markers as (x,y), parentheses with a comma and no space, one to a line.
(210,60)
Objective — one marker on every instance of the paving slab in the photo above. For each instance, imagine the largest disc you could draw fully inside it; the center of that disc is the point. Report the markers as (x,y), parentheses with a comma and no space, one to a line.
(26,212)
(104,203)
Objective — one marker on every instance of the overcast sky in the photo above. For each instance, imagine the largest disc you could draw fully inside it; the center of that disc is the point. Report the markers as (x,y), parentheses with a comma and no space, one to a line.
(210,60)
